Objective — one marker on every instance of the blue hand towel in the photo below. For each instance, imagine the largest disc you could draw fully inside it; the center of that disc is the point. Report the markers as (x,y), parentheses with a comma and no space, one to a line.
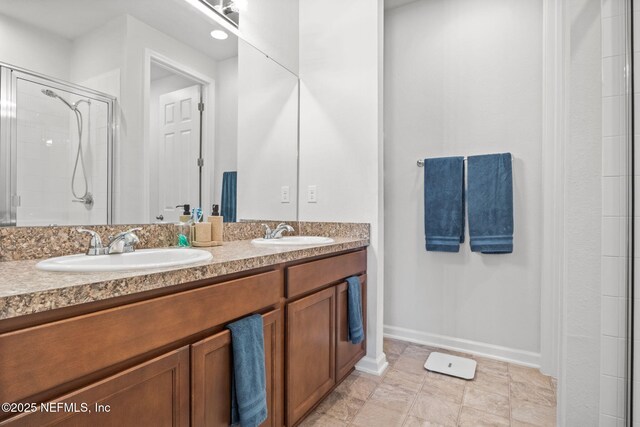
(354,310)
(490,187)
(444,203)
(248,389)
(228,200)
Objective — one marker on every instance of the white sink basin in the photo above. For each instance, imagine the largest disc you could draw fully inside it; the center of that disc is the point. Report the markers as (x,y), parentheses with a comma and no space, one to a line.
(293,241)
(139,260)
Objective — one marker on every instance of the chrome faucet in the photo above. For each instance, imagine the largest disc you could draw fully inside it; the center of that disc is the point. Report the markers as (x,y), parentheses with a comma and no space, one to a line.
(123,242)
(95,244)
(120,243)
(277,233)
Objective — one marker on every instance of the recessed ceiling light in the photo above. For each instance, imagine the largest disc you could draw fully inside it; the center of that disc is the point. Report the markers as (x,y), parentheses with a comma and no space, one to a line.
(219,34)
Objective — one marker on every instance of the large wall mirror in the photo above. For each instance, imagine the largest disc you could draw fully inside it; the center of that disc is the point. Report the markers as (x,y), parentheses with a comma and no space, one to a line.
(121,111)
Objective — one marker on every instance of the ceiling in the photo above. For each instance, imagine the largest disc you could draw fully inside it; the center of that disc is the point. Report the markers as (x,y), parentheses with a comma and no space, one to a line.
(73,18)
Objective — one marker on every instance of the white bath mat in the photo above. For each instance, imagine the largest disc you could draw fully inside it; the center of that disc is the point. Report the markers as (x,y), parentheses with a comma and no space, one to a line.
(451,365)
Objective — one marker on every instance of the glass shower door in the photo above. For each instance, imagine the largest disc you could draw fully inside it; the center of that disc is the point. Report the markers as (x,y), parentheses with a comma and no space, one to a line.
(59,141)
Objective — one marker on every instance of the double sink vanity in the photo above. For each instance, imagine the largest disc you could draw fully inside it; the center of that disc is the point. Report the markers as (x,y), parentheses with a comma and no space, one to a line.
(150,347)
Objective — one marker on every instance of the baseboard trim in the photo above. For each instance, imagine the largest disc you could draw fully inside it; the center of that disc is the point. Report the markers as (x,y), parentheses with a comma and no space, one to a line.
(506,354)
(373,366)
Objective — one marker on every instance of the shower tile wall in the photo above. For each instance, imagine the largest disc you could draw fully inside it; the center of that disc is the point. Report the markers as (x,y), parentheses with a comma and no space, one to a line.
(46,149)
(613,292)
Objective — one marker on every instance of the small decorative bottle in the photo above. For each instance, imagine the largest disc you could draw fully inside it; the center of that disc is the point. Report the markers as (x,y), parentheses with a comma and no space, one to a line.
(217,226)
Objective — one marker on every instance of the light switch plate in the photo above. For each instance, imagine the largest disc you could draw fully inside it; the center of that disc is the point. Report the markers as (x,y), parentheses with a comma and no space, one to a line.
(312,194)
(284,194)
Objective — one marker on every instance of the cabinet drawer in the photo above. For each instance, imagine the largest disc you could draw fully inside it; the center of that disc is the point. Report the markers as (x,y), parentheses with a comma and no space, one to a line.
(211,367)
(304,278)
(154,393)
(40,358)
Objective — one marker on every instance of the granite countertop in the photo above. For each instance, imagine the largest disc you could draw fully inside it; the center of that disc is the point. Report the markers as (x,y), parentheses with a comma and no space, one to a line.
(26,290)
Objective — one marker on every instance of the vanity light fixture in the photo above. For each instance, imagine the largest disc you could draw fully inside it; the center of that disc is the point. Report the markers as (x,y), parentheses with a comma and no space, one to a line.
(219,34)
(206,9)
(237,5)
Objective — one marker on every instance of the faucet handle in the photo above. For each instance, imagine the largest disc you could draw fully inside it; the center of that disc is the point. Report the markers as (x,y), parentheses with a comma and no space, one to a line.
(122,233)
(267,231)
(128,236)
(282,227)
(131,238)
(95,244)
(123,241)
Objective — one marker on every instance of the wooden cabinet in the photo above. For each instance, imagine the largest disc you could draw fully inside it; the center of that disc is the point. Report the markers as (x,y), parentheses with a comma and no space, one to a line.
(211,368)
(310,351)
(57,353)
(165,359)
(154,393)
(348,354)
(319,354)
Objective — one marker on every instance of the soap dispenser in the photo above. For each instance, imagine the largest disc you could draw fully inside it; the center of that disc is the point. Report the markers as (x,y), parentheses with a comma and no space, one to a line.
(217,227)
(186,214)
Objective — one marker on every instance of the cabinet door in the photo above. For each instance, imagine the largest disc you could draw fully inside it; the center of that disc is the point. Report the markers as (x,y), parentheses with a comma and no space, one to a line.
(211,370)
(311,351)
(347,354)
(155,393)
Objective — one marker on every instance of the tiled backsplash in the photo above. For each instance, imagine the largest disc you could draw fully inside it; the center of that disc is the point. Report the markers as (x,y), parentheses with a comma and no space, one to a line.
(22,243)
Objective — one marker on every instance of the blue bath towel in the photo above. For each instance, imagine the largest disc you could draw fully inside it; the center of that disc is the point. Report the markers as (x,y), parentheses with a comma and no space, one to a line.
(444,203)
(228,200)
(490,188)
(248,389)
(354,311)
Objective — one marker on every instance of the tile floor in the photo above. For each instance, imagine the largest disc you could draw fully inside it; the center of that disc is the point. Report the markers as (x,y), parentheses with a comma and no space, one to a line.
(501,394)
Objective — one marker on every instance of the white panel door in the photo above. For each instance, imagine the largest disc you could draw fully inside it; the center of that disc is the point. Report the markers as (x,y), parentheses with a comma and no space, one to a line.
(179,150)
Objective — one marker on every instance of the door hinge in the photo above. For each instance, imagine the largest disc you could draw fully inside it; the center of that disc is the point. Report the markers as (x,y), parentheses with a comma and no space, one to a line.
(200,106)
(200,162)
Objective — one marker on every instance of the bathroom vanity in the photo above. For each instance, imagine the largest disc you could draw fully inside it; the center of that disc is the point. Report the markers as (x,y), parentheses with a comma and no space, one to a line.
(162,355)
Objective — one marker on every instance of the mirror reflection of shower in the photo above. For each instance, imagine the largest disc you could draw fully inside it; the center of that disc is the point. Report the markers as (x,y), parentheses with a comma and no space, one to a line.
(86,197)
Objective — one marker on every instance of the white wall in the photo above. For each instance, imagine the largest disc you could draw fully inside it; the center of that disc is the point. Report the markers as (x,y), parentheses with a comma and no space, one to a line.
(340,131)
(133,147)
(99,52)
(272,27)
(34,49)
(226,146)
(267,137)
(463,78)
(579,385)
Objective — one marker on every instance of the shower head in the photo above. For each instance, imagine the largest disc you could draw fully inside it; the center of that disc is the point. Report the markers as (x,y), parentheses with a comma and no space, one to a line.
(52,94)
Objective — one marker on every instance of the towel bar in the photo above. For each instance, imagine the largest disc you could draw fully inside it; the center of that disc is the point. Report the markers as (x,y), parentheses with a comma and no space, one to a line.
(420,162)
